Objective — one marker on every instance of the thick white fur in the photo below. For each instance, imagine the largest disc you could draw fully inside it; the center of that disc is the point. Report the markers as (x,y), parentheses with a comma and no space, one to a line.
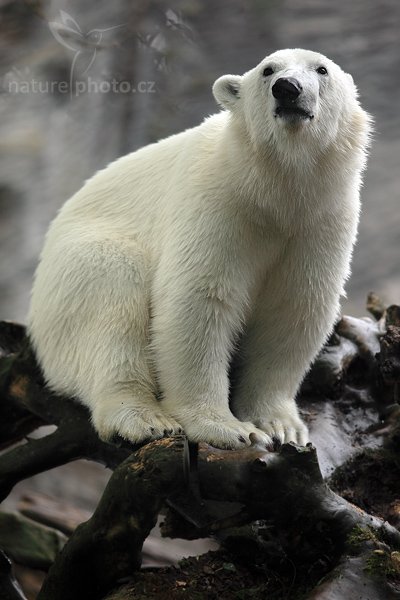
(231,237)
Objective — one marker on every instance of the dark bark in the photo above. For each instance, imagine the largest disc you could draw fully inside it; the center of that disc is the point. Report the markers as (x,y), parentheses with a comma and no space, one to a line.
(9,588)
(286,489)
(108,546)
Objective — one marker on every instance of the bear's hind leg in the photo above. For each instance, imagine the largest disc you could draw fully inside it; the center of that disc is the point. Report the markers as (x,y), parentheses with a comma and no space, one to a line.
(90,329)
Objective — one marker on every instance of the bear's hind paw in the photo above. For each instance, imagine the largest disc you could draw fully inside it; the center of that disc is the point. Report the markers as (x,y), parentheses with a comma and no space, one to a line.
(135,425)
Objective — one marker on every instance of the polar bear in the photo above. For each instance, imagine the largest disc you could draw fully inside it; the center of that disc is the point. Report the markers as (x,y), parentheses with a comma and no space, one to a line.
(229,240)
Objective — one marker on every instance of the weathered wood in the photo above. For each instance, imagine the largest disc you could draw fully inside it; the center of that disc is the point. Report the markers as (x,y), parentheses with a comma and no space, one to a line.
(288,490)
(108,546)
(285,489)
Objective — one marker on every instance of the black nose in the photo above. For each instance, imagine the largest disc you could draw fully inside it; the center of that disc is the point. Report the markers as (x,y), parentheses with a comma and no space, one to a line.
(286,88)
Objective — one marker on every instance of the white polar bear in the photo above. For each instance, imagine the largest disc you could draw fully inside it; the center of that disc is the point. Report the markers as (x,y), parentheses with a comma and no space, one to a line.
(231,238)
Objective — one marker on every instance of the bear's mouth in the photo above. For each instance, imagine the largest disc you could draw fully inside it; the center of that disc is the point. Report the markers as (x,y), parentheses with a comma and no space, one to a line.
(292,112)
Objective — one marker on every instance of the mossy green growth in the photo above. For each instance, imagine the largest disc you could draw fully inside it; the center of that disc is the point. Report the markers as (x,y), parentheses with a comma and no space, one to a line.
(380,561)
(358,535)
(380,564)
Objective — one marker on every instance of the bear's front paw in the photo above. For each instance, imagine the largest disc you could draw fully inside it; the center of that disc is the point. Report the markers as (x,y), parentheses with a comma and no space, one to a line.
(284,428)
(230,434)
(220,429)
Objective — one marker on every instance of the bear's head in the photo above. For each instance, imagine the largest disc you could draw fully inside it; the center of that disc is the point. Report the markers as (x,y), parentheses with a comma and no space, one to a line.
(292,98)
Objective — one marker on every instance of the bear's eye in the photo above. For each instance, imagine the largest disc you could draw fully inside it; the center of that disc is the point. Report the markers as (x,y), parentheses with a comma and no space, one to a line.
(268,71)
(322,71)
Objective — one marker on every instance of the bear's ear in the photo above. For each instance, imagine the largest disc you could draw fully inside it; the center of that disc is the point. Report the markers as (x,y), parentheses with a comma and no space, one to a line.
(226,90)
(352,84)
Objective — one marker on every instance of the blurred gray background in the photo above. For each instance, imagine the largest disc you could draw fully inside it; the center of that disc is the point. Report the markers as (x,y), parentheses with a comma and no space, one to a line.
(61,119)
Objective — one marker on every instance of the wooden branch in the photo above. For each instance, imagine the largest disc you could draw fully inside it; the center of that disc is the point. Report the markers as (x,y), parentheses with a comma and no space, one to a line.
(9,588)
(69,442)
(271,485)
(36,456)
(389,364)
(15,420)
(286,489)
(108,546)
(375,306)
(367,571)
(353,341)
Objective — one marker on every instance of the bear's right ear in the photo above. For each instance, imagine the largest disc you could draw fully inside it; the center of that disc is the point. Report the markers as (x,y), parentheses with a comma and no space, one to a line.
(226,90)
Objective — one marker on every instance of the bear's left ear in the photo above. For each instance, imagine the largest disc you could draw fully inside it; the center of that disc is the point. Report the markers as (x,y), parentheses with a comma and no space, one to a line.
(226,90)
(352,84)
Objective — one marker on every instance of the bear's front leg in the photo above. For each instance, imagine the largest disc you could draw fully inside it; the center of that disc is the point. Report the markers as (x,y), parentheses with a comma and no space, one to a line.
(267,375)
(287,329)
(193,329)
